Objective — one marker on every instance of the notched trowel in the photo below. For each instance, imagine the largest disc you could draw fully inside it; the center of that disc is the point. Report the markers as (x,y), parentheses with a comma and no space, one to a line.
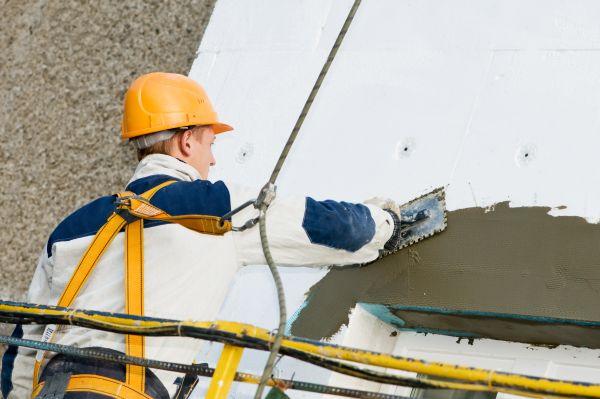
(422,217)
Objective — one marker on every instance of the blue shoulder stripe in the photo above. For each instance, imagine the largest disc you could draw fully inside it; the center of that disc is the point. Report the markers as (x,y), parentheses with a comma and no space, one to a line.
(85,221)
(340,225)
(146,183)
(198,197)
(180,198)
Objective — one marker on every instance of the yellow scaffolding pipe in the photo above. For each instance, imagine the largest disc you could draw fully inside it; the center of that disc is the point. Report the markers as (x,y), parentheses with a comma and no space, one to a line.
(225,372)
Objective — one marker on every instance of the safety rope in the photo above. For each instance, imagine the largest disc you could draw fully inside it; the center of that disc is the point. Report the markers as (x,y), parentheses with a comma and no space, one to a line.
(313,92)
(268,193)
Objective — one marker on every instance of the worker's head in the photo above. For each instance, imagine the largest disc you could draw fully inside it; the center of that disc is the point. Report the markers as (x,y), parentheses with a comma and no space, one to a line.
(171,114)
(192,145)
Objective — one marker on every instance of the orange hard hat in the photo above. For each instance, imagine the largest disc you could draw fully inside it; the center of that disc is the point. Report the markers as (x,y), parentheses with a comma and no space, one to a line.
(161,101)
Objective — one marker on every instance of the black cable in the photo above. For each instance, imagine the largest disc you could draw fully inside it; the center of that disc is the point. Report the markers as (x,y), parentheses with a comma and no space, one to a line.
(200,370)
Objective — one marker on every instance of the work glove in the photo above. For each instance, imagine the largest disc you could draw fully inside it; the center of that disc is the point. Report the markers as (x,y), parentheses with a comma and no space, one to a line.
(393,209)
(385,204)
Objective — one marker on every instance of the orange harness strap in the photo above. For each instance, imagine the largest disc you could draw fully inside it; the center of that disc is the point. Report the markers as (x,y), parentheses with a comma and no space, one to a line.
(98,384)
(141,208)
(135,376)
(101,241)
(134,298)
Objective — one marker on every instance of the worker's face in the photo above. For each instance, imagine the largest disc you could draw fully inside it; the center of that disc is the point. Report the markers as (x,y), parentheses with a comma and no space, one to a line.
(200,154)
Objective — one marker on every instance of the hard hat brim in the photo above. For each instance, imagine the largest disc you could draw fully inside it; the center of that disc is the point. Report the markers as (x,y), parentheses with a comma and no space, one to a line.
(221,128)
(217,129)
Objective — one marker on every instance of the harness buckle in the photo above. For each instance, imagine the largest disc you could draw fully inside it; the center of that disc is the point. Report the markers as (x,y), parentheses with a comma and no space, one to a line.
(123,201)
(123,205)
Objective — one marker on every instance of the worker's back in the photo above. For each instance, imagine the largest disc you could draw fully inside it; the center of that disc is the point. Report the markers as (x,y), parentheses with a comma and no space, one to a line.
(186,274)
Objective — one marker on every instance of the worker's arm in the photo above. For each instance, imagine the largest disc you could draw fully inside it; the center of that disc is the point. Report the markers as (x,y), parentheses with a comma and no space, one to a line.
(302,231)
(309,232)
(17,362)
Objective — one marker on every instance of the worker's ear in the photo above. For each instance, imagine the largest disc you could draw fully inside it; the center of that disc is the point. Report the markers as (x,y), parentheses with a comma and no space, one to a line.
(186,142)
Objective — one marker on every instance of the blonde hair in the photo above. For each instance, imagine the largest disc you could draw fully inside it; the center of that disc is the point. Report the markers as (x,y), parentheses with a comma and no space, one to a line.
(161,147)
(165,141)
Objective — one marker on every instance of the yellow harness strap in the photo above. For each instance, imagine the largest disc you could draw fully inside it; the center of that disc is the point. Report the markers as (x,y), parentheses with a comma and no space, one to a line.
(138,208)
(90,258)
(135,376)
(98,384)
(134,298)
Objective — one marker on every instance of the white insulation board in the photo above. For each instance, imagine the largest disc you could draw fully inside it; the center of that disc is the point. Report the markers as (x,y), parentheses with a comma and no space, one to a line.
(494,99)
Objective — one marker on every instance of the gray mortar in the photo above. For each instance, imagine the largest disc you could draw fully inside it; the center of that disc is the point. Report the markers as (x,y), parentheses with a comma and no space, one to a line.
(65,67)
(518,261)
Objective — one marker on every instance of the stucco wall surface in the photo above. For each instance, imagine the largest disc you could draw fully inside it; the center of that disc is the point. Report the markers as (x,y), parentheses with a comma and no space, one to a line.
(64,68)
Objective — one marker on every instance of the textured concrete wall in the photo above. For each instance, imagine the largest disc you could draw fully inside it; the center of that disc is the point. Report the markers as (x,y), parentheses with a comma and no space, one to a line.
(65,67)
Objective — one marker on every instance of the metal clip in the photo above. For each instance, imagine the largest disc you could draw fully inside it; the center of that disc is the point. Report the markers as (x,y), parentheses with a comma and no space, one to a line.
(266,196)
(250,223)
(123,201)
(126,200)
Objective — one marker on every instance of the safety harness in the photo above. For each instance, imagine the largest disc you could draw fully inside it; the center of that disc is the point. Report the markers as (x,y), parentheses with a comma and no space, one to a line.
(131,211)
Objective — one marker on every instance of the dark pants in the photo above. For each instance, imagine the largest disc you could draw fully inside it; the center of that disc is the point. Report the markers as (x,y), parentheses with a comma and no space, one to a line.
(60,365)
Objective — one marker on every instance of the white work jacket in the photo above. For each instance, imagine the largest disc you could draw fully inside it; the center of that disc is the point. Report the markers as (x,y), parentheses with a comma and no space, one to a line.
(186,274)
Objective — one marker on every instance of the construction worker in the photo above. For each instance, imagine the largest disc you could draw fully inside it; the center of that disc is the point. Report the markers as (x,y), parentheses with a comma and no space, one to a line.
(169,119)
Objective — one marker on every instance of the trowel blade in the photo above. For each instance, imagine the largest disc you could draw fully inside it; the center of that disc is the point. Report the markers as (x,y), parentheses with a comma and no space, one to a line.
(433,205)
